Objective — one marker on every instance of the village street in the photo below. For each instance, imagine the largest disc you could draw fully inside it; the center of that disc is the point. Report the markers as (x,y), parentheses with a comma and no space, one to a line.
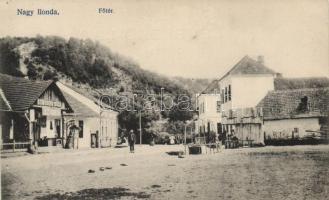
(294,172)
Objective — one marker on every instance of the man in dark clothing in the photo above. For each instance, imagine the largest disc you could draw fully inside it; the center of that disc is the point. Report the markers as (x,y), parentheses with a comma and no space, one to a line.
(132,140)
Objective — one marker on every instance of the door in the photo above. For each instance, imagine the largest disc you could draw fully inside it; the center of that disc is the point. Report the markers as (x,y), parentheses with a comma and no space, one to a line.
(93,142)
(219,131)
(58,128)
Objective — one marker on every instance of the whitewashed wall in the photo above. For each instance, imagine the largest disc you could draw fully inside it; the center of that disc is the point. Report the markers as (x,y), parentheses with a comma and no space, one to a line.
(273,128)
(210,113)
(248,91)
(51,114)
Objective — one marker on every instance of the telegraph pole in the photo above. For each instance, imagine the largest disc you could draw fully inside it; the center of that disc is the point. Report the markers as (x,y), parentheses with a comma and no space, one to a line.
(140,127)
(185,137)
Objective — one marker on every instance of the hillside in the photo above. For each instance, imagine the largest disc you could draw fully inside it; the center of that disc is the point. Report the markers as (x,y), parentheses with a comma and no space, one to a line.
(298,83)
(83,61)
(94,70)
(193,85)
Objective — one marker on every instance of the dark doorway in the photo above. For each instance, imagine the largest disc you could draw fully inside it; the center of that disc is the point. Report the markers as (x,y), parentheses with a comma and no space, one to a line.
(219,128)
(93,140)
(58,127)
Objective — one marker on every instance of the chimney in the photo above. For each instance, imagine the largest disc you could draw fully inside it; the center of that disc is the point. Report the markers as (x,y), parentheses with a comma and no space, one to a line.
(260,59)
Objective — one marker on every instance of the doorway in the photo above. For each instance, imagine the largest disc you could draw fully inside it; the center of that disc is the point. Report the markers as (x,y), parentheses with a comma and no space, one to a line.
(94,140)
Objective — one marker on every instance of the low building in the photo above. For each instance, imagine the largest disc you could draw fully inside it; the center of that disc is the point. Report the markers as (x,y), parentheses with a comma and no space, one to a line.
(44,113)
(31,111)
(295,114)
(98,126)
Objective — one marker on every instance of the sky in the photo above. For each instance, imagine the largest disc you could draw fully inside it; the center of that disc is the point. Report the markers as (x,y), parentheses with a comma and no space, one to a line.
(189,38)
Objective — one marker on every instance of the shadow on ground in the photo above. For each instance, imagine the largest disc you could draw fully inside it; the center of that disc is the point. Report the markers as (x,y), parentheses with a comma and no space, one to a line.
(175,153)
(102,193)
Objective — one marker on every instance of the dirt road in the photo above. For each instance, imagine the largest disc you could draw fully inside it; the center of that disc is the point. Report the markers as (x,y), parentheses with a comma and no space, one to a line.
(298,172)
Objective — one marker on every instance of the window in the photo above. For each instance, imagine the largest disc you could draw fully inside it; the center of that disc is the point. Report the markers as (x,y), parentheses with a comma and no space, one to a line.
(222,95)
(42,121)
(51,125)
(295,133)
(225,94)
(202,108)
(229,92)
(218,104)
(81,129)
(303,105)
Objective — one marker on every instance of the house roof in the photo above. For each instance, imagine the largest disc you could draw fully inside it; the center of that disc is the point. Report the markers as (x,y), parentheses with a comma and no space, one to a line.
(285,104)
(79,108)
(248,65)
(21,93)
(70,89)
(212,88)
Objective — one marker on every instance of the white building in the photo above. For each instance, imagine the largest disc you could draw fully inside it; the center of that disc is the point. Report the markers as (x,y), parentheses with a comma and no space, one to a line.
(209,113)
(295,114)
(98,125)
(242,87)
(256,105)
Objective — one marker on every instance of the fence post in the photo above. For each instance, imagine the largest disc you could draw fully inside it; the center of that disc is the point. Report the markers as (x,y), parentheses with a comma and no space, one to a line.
(14,145)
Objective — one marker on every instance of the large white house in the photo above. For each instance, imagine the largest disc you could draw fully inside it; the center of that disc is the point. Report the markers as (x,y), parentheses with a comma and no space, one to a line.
(242,87)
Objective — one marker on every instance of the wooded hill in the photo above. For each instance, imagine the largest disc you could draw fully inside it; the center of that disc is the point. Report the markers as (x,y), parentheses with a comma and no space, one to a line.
(94,69)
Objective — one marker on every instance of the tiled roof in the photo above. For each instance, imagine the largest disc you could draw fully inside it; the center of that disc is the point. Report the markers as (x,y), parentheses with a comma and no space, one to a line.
(248,65)
(284,104)
(79,109)
(88,94)
(22,93)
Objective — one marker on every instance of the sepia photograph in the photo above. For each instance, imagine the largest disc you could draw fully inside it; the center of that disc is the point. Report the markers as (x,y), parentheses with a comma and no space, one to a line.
(164,99)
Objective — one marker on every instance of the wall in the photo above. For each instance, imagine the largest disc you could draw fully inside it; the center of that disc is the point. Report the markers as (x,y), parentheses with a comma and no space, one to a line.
(210,113)
(246,90)
(251,132)
(225,82)
(107,129)
(273,128)
(51,114)
(106,125)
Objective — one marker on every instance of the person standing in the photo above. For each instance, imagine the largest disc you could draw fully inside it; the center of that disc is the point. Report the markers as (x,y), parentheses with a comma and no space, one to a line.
(132,140)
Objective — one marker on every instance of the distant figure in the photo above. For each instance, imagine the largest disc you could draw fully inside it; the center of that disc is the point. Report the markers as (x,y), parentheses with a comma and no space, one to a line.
(224,137)
(132,140)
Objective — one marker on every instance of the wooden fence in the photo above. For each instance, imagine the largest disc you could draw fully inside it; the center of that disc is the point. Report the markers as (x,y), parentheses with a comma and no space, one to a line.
(14,146)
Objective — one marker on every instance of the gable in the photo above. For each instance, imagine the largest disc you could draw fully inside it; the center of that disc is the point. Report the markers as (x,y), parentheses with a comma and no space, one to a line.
(22,93)
(249,66)
(52,97)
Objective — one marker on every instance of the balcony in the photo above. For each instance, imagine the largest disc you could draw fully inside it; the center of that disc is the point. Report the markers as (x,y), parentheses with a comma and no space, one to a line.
(242,115)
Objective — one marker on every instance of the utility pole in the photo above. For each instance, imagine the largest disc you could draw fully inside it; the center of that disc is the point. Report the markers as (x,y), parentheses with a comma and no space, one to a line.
(140,127)
(185,136)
